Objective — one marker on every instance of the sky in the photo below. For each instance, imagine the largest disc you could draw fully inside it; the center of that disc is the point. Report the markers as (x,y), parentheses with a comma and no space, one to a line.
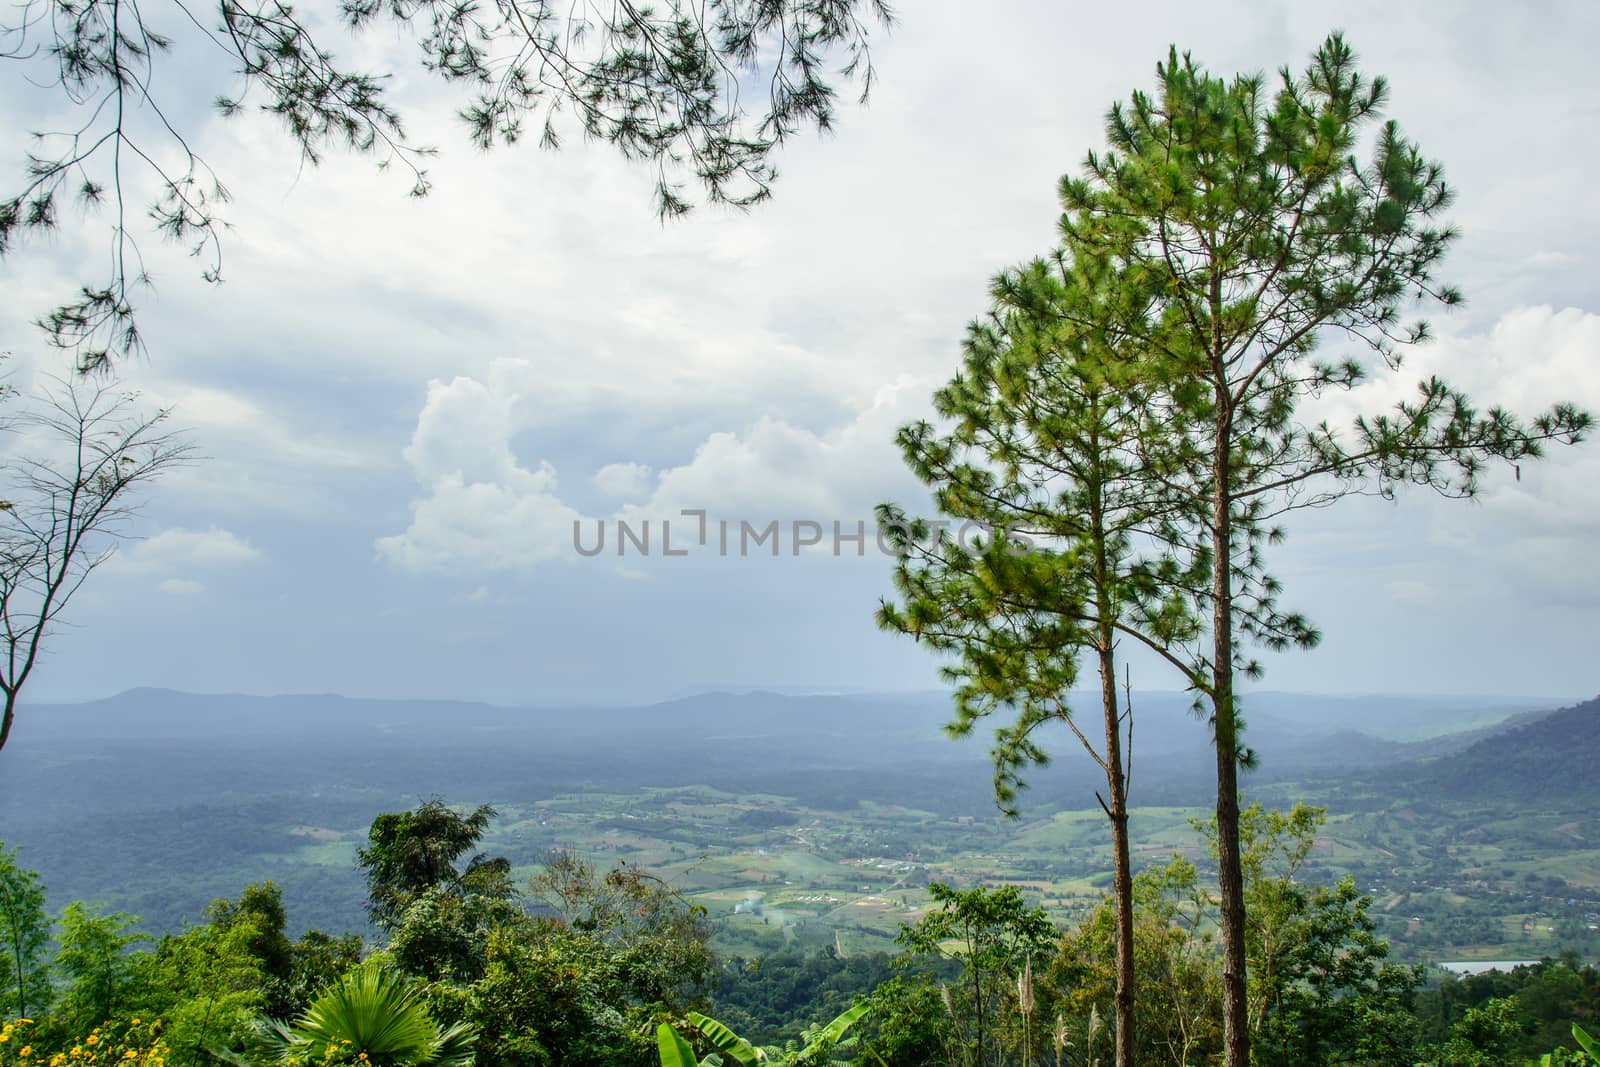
(400,407)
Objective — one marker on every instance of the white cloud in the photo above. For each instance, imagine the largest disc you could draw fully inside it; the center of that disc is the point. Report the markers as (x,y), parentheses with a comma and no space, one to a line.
(214,414)
(1531,359)
(776,469)
(484,510)
(552,322)
(623,480)
(177,548)
(482,526)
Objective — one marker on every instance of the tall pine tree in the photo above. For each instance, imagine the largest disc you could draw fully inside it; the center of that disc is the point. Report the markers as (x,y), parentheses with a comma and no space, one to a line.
(1047,450)
(1262,223)
(1136,409)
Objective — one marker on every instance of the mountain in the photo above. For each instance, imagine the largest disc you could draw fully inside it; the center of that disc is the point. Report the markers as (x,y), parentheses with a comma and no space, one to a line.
(1552,760)
(157,801)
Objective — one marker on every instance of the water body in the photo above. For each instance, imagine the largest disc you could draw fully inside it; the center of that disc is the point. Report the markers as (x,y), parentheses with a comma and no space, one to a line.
(1467,968)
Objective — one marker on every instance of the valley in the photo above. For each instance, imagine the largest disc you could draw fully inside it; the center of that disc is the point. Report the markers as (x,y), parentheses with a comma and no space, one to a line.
(756,807)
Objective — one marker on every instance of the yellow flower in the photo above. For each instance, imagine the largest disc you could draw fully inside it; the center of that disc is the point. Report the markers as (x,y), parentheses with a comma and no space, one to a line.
(93,1039)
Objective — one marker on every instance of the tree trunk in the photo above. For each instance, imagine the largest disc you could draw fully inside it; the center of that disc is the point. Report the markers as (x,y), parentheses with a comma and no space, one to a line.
(1122,867)
(978,1057)
(1230,876)
(1116,782)
(6,717)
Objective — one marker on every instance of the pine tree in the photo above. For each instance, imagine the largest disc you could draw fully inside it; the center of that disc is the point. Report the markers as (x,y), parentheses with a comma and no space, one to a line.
(1258,224)
(1048,448)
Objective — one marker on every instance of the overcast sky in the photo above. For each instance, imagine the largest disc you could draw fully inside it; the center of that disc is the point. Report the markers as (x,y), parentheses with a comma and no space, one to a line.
(404,405)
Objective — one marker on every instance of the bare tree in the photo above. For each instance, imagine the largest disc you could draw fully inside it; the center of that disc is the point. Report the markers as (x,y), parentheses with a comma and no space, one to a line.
(87,451)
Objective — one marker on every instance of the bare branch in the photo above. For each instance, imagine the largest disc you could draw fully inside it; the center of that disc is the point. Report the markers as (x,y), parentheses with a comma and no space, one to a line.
(88,454)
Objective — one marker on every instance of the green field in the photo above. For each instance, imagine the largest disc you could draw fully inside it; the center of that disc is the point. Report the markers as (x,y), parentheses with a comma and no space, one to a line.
(771,872)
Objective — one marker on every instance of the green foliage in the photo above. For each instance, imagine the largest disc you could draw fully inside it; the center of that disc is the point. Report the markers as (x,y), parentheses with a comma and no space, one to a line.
(1334,998)
(204,984)
(291,972)
(1587,1054)
(818,1050)
(727,1042)
(319,960)
(1242,225)
(990,931)
(1320,987)
(133,1043)
(832,1032)
(411,852)
(585,986)
(552,995)
(769,999)
(24,939)
(1048,455)
(659,940)
(92,956)
(373,1015)
(1484,1036)
(910,1026)
(1176,970)
(202,988)
(1536,1006)
(259,907)
(1000,943)
(1044,457)
(674,1050)
(443,933)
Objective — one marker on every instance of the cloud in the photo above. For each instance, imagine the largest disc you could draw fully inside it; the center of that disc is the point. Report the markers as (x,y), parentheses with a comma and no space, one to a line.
(1530,359)
(623,480)
(774,468)
(484,510)
(587,362)
(177,548)
(1523,546)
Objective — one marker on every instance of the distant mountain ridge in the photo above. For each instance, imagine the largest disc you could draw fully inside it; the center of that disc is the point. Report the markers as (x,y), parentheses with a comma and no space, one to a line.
(111,797)
(1552,758)
(257,745)
(1383,716)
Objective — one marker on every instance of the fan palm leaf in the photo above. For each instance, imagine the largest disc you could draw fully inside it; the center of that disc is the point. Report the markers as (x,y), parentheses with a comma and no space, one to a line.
(372,1013)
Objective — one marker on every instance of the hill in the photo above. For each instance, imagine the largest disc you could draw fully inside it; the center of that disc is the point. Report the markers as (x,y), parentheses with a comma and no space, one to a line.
(1551,760)
(156,801)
